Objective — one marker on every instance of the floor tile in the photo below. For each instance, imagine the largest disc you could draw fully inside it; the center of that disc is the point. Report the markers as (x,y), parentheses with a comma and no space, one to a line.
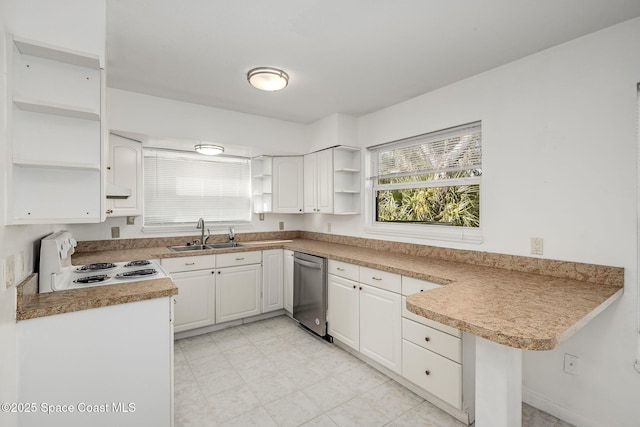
(392,399)
(321,421)
(362,378)
(208,364)
(258,417)
(357,412)
(293,410)
(329,393)
(218,382)
(272,387)
(232,403)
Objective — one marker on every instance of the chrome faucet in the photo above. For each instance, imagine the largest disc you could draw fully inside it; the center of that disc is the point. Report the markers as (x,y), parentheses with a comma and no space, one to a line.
(232,234)
(203,240)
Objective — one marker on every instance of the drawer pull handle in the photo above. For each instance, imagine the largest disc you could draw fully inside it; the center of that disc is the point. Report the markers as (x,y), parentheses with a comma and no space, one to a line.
(189,263)
(376,278)
(339,269)
(427,339)
(239,259)
(427,372)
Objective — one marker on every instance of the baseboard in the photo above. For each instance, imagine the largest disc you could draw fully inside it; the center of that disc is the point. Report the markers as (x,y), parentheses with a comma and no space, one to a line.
(565,414)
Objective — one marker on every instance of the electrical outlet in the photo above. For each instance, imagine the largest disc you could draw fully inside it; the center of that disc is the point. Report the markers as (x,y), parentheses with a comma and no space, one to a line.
(115,232)
(131,220)
(261,216)
(9,271)
(281,225)
(536,245)
(571,364)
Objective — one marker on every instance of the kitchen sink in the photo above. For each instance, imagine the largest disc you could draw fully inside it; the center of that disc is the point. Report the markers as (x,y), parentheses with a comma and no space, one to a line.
(225,245)
(191,248)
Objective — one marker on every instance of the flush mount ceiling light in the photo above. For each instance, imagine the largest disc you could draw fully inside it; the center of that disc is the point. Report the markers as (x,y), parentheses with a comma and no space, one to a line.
(209,149)
(267,78)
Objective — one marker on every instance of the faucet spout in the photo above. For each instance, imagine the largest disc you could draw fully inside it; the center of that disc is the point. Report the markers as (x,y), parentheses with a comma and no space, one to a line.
(200,226)
(232,234)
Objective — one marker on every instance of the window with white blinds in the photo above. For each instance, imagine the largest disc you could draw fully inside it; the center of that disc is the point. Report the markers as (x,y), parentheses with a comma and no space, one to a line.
(181,187)
(429,179)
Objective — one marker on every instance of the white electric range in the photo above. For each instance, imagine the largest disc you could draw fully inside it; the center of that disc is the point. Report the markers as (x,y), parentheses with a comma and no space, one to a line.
(58,274)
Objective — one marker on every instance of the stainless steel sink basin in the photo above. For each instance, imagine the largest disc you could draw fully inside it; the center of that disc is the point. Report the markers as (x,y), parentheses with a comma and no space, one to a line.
(225,245)
(186,248)
(191,248)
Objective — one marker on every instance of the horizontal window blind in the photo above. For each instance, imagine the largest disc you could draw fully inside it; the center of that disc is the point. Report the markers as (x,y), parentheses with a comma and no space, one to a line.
(180,188)
(450,150)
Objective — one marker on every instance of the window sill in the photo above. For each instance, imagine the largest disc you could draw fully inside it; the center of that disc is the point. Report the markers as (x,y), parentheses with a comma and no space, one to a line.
(434,232)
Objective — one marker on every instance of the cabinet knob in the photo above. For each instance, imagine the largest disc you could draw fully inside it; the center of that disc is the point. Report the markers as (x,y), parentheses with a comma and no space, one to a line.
(360,287)
(109,211)
(427,372)
(354,286)
(108,168)
(427,339)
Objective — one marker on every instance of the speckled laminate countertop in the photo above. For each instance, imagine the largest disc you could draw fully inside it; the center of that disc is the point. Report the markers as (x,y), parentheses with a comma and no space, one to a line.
(520,309)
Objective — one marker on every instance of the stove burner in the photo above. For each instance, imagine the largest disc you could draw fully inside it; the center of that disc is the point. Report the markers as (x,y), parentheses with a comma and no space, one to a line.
(91,279)
(139,263)
(137,273)
(99,266)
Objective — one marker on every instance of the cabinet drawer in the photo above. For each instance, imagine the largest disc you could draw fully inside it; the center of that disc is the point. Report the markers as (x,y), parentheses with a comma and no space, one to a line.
(343,269)
(239,258)
(434,373)
(381,279)
(413,286)
(432,339)
(188,263)
(432,323)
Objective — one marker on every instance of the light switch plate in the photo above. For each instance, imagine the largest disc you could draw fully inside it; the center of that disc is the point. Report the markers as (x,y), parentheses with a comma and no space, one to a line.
(9,271)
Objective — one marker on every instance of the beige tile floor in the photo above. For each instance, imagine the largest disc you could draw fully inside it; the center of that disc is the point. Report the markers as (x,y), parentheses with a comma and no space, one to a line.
(273,373)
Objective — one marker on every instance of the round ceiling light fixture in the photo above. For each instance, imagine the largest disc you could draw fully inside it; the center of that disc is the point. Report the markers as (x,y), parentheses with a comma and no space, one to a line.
(268,79)
(209,149)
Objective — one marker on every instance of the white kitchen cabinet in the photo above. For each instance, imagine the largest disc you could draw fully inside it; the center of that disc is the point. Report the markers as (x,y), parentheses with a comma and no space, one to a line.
(107,356)
(288,281)
(367,318)
(195,302)
(287,184)
(381,326)
(344,311)
(318,182)
(262,183)
(56,129)
(124,170)
(332,181)
(272,280)
(238,292)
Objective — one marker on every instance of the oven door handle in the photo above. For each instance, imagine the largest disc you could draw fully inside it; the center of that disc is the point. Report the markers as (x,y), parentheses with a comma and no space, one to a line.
(307,263)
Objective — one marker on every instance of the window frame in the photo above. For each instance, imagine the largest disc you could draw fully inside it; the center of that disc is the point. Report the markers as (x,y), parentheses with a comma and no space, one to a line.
(189,156)
(419,231)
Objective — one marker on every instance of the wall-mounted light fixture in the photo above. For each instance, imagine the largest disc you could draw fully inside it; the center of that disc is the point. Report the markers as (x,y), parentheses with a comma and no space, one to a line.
(209,149)
(267,78)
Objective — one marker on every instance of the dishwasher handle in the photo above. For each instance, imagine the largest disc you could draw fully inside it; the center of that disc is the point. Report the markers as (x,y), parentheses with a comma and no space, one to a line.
(308,264)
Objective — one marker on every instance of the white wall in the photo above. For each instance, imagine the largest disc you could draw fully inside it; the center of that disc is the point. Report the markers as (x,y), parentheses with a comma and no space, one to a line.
(168,119)
(559,161)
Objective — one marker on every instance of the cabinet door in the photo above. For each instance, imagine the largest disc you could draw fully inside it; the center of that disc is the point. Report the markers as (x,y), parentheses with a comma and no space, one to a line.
(310,183)
(237,292)
(344,312)
(287,184)
(195,303)
(381,326)
(325,181)
(288,281)
(124,169)
(272,280)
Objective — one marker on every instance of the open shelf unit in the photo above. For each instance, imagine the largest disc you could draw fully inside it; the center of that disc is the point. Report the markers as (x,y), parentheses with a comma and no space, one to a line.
(56,159)
(262,183)
(347,180)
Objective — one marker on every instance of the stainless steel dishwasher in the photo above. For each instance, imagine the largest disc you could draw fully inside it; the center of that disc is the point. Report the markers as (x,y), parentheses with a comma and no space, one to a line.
(310,292)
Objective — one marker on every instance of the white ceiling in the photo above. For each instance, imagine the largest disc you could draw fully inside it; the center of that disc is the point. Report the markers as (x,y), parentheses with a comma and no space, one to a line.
(348,56)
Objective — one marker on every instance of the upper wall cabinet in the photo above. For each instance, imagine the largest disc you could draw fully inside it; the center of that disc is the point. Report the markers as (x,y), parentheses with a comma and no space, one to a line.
(277,184)
(332,181)
(124,177)
(55,158)
(287,184)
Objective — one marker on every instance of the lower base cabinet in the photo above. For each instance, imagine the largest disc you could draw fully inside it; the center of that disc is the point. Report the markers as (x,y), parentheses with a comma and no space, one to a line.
(238,292)
(196,301)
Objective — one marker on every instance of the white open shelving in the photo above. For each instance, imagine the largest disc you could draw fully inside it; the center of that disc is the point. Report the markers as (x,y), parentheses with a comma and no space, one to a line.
(346,180)
(262,183)
(56,125)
